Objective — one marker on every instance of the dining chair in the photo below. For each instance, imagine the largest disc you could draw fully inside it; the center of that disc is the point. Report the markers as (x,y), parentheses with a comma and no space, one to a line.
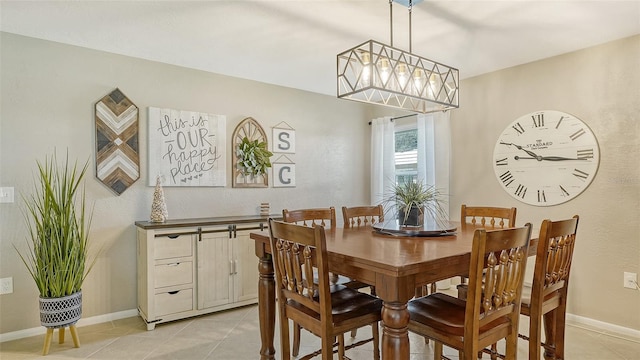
(484,217)
(326,310)
(547,298)
(358,216)
(325,217)
(492,309)
(309,217)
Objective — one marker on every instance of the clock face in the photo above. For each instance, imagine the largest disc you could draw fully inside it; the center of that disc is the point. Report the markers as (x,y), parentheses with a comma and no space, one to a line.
(546,158)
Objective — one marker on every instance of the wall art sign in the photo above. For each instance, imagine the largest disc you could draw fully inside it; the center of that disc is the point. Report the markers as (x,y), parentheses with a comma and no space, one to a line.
(187,148)
(284,172)
(284,139)
(117,156)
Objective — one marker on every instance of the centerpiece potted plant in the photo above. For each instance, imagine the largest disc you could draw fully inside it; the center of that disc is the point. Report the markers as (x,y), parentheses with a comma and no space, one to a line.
(58,253)
(413,200)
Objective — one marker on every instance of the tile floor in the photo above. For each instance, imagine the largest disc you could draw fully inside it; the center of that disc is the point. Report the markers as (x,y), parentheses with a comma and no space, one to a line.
(235,334)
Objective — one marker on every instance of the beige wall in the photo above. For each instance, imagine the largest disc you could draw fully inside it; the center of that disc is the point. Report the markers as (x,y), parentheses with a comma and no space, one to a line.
(48,96)
(601,86)
(48,92)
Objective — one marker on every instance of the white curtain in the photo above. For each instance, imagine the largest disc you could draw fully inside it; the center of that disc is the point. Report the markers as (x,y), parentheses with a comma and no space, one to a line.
(383,171)
(434,148)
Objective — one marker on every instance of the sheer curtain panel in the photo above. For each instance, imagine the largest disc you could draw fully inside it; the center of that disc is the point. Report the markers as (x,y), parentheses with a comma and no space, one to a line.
(382,158)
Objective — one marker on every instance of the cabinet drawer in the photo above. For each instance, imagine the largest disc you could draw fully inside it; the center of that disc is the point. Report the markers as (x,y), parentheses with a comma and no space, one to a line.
(174,302)
(173,274)
(173,246)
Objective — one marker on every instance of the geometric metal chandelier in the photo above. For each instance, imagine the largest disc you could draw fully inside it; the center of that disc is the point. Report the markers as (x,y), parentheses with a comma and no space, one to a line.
(375,73)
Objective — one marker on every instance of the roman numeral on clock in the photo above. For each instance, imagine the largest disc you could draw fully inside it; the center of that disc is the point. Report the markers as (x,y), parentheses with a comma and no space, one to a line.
(564,192)
(521,191)
(580,174)
(538,120)
(577,134)
(559,121)
(541,196)
(517,127)
(506,178)
(585,154)
(502,162)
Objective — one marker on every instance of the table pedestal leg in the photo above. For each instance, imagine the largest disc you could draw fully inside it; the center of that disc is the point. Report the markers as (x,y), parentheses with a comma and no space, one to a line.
(395,333)
(267,307)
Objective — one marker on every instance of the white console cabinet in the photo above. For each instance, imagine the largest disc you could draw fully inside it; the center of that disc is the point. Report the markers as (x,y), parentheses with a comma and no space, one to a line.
(196,266)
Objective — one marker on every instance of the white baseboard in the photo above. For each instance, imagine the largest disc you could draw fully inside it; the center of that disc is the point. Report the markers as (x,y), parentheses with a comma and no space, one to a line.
(574,320)
(82,322)
(603,327)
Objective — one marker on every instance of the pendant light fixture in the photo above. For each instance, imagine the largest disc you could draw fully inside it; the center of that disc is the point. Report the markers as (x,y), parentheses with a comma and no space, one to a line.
(375,73)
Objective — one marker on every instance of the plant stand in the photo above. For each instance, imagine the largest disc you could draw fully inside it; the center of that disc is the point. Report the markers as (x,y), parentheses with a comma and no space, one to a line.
(49,336)
(58,313)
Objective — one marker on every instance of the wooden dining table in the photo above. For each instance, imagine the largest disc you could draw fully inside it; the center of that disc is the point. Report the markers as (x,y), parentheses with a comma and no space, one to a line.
(395,265)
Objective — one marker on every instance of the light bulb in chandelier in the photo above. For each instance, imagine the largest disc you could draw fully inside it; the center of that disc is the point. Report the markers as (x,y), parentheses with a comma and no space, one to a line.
(418,81)
(403,74)
(366,68)
(384,69)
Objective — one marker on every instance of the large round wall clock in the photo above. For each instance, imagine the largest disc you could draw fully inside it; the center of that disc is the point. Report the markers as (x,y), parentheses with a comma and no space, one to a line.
(546,158)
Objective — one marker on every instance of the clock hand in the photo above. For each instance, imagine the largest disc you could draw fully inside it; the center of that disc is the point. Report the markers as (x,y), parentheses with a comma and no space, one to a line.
(547,158)
(531,153)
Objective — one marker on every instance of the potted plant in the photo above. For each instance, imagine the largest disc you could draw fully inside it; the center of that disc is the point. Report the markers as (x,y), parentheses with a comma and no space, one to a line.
(413,200)
(58,253)
(253,157)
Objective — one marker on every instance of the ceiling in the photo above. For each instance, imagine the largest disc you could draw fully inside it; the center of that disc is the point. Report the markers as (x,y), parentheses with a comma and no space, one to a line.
(294,43)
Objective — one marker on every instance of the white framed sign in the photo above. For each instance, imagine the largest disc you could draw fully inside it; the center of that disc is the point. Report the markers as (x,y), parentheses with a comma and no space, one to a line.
(187,148)
(284,172)
(284,139)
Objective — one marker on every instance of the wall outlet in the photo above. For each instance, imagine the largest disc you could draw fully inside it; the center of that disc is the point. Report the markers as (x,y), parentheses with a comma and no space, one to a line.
(6,195)
(631,280)
(6,286)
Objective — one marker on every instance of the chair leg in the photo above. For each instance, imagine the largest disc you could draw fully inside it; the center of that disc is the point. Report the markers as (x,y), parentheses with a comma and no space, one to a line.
(437,350)
(354,332)
(549,322)
(296,339)
(560,321)
(376,341)
(341,346)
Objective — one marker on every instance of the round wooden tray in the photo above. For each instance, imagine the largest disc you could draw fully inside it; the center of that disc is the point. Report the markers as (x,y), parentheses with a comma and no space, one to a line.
(430,228)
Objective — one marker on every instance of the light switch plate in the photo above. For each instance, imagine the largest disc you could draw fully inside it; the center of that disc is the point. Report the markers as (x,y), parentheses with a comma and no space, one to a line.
(6,195)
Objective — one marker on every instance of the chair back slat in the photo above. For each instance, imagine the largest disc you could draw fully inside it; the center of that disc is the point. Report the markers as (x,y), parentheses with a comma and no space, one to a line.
(362,215)
(488,217)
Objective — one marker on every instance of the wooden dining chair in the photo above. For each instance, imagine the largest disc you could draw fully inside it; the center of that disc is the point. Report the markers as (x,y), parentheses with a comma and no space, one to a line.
(484,217)
(487,217)
(325,217)
(309,217)
(358,216)
(548,296)
(492,309)
(326,310)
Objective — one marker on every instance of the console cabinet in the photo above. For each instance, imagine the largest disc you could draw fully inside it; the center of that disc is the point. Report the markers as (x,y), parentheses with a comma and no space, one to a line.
(196,266)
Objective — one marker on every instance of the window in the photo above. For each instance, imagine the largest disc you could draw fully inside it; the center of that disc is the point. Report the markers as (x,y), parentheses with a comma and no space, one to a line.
(406,155)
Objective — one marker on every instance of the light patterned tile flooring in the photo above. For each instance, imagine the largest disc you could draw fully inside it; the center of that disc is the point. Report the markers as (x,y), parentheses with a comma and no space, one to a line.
(235,334)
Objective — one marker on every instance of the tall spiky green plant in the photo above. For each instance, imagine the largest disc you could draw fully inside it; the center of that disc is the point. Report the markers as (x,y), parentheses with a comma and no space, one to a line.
(58,229)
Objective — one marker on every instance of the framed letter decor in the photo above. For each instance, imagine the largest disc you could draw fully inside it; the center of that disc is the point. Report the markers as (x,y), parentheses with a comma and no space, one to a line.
(284,172)
(117,156)
(187,148)
(284,139)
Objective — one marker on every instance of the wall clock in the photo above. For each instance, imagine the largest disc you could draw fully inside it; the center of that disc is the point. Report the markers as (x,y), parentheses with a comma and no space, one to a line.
(546,158)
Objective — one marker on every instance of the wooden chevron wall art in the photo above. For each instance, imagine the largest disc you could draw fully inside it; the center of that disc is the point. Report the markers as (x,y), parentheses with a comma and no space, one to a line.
(117,156)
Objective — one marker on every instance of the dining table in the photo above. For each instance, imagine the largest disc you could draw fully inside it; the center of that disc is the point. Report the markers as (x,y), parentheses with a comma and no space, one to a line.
(396,265)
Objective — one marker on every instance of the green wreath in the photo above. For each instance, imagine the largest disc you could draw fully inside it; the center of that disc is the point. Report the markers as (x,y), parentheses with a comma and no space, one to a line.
(253,157)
